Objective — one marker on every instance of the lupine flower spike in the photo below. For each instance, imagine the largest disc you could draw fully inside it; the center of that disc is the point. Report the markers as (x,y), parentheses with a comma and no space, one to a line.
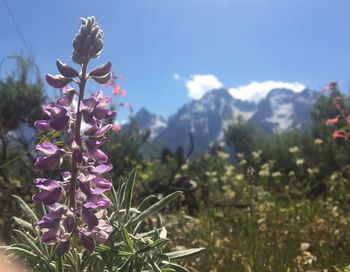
(76,203)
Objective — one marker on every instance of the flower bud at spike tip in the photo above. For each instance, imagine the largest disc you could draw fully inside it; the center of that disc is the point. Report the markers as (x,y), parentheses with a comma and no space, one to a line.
(66,70)
(58,81)
(101,70)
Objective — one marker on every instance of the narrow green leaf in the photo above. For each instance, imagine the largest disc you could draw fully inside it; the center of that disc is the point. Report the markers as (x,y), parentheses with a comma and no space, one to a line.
(24,224)
(155,244)
(125,266)
(178,268)
(127,239)
(26,239)
(28,211)
(147,202)
(182,254)
(23,252)
(129,189)
(155,207)
(59,265)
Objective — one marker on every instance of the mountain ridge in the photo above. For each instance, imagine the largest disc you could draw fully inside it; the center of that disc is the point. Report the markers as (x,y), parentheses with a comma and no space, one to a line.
(207,118)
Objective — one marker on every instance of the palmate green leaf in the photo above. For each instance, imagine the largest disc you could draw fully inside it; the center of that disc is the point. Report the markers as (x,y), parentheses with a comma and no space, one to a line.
(155,207)
(28,211)
(182,254)
(154,245)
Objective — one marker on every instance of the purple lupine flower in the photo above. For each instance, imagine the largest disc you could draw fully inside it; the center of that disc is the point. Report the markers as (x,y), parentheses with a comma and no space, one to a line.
(100,169)
(53,157)
(101,183)
(94,152)
(97,201)
(67,98)
(93,108)
(86,241)
(57,226)
(58,118)
(98,130)
(99,232)
(51,191)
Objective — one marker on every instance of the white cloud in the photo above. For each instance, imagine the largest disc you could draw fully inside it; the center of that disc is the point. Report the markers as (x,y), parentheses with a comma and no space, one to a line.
(199,85)
(255,91)
(176,77)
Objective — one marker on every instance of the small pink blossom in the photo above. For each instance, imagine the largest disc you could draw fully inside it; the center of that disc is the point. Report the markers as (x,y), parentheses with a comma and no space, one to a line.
(116,128)
(332,121)
(340,134)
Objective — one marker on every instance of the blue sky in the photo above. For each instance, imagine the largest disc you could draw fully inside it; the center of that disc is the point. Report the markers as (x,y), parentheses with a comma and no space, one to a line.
(236,42)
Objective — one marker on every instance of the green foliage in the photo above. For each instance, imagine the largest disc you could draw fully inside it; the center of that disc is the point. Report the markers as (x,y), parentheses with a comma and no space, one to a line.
(21,96)
(130,247)
(19,90)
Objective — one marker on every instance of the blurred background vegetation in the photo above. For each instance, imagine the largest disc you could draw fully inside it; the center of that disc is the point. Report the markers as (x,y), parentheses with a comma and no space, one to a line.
(280,202)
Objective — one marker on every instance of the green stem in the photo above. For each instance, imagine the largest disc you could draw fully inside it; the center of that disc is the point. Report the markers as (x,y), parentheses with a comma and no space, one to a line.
(16,158)
(59,265)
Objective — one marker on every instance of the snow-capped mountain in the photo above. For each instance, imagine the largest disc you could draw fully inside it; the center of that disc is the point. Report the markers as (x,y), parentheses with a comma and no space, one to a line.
(284,109)
(208,117)
(205,118)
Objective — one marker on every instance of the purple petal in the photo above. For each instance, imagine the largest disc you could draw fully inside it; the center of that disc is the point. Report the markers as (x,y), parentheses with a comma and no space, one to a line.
(54,110)
(97,201)
(89,104)
(98,130)
(66,175)
(48,222)
(100,169)
(87,242)
(43,124)
(85,188)
(100,113)
(98,155)
(60,123)
(101,236)
(47,148)
(77,156)
(102,183)
(58,208)
(67,99)
(89,217)
(47,184)
(49,236)
(48,197)
(63,248)
(48,163)
(93,129)
(69,223)
(88,117)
